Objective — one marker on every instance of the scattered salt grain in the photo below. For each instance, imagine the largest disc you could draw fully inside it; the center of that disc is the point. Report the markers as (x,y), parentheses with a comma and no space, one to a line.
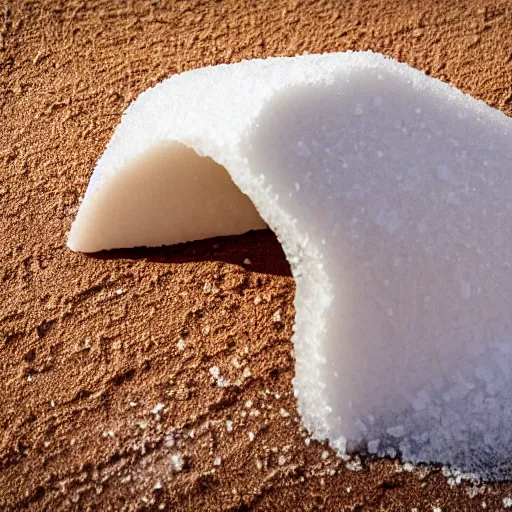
(354,465)
(282,460)
(157,486)
(217,461)
(284,413)
(133,404)
(158,407)
(408,467)
(325,454)
(507,502)
(248,404)
(257,300)
(181,344)
(220,381)
(247,261)
(177,462)
(229,425)
(276,317)
(251,436)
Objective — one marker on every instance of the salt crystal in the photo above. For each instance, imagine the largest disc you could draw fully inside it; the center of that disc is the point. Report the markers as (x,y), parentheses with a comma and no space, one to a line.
(276,316)
(507,502)
(415,162)
(217,461)
(284,413)
(247,261)
(251,436)
(229,426)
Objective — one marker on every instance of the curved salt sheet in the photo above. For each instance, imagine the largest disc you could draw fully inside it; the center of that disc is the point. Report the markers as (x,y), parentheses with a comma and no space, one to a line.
(391,193)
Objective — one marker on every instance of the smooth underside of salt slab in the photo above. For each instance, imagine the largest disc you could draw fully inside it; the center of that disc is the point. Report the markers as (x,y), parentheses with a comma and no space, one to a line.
(391,194)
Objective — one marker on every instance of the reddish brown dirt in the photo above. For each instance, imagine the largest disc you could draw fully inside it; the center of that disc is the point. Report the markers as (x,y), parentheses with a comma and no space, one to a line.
(89,345)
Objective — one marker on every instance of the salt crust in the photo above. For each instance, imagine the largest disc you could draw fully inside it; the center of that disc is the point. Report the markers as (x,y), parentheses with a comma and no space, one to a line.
(391,194)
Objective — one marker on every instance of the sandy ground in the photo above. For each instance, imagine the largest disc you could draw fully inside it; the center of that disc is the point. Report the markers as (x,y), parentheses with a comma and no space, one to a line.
(90,345)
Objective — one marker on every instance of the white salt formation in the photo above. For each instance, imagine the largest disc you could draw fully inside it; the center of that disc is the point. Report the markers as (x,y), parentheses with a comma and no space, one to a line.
(391,193)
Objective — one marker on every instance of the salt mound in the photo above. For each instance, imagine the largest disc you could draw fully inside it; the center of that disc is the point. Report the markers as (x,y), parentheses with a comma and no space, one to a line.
(391,193)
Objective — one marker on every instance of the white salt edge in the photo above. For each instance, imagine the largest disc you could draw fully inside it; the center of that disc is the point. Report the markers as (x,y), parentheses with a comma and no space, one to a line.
(390,193)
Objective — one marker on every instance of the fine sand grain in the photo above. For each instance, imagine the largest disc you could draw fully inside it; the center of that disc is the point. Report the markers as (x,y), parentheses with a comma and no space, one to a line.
(161,379)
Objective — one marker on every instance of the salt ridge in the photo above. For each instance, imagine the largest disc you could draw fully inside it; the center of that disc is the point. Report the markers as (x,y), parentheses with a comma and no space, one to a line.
(390,193)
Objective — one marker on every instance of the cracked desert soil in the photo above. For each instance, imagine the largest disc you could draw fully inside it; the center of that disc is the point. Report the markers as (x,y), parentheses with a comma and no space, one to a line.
(92,347)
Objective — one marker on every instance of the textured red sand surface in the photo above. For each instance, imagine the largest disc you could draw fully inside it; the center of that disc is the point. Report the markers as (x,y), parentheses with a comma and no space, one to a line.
(89,345)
